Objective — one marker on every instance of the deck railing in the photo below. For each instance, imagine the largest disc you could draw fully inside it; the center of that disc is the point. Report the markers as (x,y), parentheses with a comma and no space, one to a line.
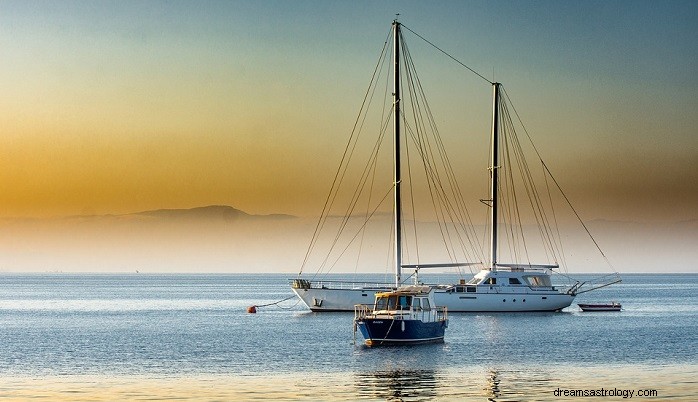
(362,311)
(307,284)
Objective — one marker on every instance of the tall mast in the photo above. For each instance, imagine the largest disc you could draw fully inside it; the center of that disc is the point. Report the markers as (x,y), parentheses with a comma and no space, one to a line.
(494,174)
(396,169)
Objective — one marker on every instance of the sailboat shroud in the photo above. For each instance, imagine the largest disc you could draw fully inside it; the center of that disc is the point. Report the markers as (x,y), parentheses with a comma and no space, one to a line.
(497,287)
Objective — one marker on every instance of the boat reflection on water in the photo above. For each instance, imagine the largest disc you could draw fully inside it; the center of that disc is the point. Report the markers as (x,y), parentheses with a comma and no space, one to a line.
(397,385)
(427,384)
(492,390)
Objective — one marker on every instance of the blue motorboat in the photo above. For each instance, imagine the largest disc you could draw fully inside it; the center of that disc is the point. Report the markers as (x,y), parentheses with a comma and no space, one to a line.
(406,315)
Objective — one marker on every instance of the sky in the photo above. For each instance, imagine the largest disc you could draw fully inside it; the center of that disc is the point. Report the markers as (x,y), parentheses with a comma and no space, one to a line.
(113,107)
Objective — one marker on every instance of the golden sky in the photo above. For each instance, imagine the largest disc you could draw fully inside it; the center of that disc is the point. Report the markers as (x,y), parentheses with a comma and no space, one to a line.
(128,106)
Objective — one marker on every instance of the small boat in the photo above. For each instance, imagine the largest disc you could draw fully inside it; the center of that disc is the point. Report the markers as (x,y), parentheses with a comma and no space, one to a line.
(613,306)
(403,316)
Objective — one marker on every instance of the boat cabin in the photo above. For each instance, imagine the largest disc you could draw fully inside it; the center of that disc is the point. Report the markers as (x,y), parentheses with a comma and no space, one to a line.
(402,300)
(407,302)
(534,279)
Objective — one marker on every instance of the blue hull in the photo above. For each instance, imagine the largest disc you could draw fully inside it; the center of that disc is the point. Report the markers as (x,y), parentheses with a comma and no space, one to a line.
(382,331)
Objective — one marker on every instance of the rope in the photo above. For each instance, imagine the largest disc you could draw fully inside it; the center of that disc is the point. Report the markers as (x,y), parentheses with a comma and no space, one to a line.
(569,203)
(424,131)
(388,331)
(451,57)
(277,302)
(339,175)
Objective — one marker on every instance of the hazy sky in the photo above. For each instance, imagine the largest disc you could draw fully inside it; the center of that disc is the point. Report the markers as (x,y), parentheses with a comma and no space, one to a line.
(114,107)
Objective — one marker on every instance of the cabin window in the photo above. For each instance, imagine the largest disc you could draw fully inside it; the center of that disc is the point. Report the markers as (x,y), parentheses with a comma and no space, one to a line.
(381,303)
(460,289)
(416,303)
(404,302)
(538,281)
(392,303)
(491,281)
(425,304)
(471,289)
(514,281)
(474,281)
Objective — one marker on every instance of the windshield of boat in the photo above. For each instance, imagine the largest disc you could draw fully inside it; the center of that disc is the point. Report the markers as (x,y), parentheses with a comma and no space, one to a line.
(393,302)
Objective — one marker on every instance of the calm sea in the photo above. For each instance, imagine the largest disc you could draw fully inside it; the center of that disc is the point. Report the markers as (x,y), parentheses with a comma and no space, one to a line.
(147,336)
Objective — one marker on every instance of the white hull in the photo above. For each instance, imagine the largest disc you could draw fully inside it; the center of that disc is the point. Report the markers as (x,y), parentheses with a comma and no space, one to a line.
(514,300)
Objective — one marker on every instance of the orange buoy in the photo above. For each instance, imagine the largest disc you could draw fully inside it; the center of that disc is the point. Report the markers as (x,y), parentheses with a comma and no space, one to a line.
(252,309)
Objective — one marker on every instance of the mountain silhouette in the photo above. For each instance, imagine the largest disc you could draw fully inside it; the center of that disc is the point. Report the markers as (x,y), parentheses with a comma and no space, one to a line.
(211,212)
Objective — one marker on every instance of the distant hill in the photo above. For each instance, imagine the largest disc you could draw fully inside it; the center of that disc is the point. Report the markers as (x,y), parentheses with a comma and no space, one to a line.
(211,212)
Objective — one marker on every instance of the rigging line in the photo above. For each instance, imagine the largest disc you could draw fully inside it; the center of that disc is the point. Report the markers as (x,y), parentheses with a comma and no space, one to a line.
(544,227)
(508,192)
(323,217)
(423,144)
(461,211)
(414,214)
(557,184)
(576,214)
(509,198)
(445,207)
(368,206)
(432,169)
(358,190)
(530,187)
(362,227)
(364,176)
(557,226)
(381,131)
(355,197)
(528,183)
(432,187)
(419,138)
(451,57)
(408,75)
(516,213)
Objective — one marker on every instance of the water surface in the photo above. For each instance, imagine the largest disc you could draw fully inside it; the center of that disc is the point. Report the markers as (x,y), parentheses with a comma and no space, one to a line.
(139,336)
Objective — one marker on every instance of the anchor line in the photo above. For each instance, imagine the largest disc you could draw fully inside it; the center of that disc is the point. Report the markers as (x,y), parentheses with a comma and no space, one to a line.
(388,332)
(277,302)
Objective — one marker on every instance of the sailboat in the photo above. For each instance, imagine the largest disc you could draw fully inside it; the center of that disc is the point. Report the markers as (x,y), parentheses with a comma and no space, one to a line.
(499,285)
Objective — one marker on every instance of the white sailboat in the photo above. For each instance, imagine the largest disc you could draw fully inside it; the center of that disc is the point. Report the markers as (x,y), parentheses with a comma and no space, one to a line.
(498,286)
